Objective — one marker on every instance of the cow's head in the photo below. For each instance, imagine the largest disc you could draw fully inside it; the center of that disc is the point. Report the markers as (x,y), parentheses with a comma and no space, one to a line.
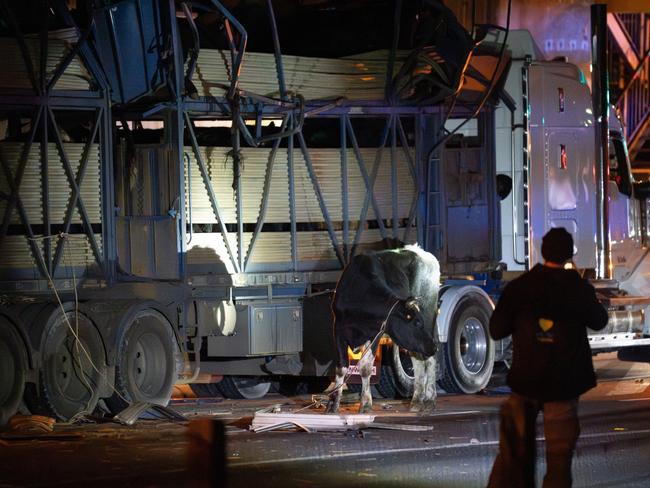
(409,327)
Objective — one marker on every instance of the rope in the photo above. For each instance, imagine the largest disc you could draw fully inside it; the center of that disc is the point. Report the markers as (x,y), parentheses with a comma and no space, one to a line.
(318,401)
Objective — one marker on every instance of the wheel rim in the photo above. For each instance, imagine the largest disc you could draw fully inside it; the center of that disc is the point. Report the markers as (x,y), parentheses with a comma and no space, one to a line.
(146,361)
(251,387)
(71,371)
(473,345)
(69,379)
(7,372)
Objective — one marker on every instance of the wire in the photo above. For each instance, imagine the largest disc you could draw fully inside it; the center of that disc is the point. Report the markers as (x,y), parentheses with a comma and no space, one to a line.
(72,330)
(77,361)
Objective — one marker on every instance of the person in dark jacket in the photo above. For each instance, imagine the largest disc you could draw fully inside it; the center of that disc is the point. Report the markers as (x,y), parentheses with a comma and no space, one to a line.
(547,311)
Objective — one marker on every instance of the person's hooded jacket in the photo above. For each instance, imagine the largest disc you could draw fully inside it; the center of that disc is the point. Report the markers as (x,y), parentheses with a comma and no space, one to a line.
(547,311)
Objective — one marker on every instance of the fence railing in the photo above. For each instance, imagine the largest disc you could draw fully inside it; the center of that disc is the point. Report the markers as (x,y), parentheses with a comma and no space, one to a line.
(634,104)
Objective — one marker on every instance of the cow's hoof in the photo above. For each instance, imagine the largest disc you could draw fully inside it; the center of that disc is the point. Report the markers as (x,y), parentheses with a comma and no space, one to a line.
(416,407)
(331,408)
(365,409)
(423,408)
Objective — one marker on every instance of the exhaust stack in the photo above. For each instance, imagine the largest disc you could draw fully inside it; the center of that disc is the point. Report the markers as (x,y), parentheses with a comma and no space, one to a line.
(600,101)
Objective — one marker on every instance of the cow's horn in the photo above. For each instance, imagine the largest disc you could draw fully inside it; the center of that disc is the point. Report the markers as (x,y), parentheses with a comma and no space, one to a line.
(412,304)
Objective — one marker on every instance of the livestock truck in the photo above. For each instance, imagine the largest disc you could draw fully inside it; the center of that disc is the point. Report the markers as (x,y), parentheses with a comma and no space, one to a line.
(175,213)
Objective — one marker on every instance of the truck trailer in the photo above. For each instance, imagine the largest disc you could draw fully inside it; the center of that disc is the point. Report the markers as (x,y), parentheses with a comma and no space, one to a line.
(176,213)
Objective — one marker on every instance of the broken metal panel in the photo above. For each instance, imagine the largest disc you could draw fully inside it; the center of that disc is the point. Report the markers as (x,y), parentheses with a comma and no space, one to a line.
(128,39)
(358,77)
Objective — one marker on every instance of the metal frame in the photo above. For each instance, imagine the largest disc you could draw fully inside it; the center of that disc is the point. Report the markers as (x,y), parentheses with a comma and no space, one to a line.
(629,32)
(239,104)
(181,111)
(44,101)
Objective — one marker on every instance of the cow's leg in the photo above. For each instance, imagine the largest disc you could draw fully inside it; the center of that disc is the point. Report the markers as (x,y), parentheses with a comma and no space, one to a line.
(365,370)
(340,372)
(419,387)
(424,392)
(335,395)
(430,392)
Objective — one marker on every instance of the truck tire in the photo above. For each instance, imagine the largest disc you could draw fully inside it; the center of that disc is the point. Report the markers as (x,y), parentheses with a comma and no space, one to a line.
(401,370)
(205,390)
(145,366)
(468,354)
(302,385)
(13,369)
(243,387)
(72,365)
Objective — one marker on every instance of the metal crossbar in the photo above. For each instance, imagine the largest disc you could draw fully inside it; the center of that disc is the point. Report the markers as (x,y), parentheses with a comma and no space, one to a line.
(211,194)
(75,197)
(370,185)
(265,196)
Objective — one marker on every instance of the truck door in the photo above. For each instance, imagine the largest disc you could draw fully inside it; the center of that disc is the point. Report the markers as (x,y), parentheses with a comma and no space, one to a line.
(470,199)
(562,184)
(147,200)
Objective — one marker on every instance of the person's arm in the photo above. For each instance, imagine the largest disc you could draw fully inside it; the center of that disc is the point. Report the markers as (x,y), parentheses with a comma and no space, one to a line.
(502,320)
(595,315)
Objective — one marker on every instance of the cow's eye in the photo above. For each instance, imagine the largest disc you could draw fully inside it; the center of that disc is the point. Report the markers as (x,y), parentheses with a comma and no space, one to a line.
(408,317)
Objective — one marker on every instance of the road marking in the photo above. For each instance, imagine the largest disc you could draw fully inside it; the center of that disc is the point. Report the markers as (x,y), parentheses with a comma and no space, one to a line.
(609,434)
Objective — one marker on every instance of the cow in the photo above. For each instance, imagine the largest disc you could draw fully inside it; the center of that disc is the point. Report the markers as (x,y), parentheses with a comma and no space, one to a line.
(393,292)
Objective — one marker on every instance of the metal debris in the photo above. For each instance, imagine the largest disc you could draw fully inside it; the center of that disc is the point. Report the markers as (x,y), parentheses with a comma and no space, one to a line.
(133,412)
(264,421)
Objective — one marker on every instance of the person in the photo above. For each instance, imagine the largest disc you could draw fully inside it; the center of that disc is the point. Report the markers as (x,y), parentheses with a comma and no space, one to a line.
(546,310)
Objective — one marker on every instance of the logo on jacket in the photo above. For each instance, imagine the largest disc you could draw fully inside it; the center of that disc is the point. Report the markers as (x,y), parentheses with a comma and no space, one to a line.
(545,335)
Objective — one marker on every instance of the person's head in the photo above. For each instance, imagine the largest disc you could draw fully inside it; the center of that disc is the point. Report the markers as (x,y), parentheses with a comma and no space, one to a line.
(557,246)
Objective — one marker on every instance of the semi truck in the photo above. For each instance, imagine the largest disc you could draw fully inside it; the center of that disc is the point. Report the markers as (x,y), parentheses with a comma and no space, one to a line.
(173,213)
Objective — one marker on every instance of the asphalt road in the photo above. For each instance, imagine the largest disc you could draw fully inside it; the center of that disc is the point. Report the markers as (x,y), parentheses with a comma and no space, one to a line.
(456,450)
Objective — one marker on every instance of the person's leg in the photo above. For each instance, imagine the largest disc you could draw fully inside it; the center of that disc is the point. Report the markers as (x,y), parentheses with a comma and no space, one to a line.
(561,429)
(515,464)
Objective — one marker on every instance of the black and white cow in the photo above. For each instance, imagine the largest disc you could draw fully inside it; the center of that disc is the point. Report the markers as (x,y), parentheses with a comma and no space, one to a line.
(392,292)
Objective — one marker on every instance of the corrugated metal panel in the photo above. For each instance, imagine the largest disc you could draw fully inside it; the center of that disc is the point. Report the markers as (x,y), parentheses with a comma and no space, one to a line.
(275,247)
(14,74)
(271,247)
(327,167)
(208,250)
(59,194)
(359,77)
(16,252)
(220,170)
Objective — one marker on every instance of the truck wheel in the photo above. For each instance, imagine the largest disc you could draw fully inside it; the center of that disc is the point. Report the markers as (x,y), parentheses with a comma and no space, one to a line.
(73,366)
(401,368)
(145,369)
(13,370)
(205,390)
(468,354)
(243,387)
